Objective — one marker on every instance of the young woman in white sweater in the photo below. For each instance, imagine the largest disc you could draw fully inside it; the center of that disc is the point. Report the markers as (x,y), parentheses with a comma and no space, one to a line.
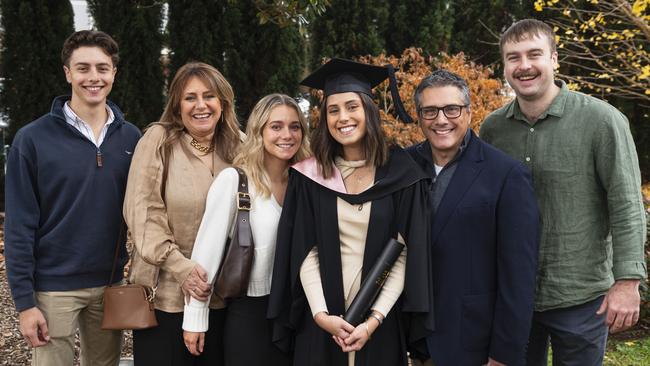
(276,138)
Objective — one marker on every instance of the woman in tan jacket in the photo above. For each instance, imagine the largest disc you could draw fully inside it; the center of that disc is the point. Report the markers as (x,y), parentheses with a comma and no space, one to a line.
(173,167)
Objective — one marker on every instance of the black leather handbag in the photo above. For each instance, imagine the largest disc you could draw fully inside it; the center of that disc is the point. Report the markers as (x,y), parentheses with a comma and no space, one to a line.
(235,270)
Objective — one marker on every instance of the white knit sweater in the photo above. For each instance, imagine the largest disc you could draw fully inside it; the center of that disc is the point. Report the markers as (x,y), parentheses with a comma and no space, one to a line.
(217,226)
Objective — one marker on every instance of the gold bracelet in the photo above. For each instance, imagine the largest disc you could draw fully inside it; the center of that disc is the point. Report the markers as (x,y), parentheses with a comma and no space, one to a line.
(367,330)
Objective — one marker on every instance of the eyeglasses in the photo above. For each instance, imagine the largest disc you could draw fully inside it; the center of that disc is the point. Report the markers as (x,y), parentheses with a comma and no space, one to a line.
(450,111)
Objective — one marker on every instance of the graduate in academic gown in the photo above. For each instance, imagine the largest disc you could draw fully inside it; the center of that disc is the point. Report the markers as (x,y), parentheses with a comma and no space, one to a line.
(341,208)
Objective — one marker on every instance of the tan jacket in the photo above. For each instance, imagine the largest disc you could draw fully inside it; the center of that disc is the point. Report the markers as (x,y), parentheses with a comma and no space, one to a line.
(163,230)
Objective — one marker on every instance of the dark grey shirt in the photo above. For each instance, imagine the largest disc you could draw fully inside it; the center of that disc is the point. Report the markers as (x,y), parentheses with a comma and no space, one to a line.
(441,180)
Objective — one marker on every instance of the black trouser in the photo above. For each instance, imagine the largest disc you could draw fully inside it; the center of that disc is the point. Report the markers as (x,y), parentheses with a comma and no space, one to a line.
(247,335)
(164,346)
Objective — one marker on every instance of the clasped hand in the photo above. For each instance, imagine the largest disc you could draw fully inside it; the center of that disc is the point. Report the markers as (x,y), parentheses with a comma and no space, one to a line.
(196,285)
(346,336)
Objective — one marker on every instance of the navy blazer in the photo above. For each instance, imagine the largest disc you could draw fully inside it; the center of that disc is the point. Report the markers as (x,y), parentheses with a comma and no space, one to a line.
(485,238)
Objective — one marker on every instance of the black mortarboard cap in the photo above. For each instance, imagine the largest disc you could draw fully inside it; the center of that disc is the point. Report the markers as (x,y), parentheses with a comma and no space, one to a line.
(342,76)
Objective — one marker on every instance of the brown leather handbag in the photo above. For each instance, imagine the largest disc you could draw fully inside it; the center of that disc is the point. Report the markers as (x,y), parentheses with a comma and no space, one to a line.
(235,270)
(128,306)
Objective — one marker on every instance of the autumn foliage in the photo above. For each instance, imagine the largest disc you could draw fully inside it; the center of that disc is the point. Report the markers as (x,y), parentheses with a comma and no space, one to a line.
(487,93)
(603,45)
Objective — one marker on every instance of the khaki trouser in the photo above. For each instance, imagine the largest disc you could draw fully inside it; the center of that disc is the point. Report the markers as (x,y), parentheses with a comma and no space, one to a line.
(65,311)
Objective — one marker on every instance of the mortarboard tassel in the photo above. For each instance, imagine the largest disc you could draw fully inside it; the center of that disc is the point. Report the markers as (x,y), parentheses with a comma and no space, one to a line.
(394,92)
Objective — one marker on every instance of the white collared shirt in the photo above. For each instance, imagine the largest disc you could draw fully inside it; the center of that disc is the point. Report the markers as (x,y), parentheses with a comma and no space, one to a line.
(83,127)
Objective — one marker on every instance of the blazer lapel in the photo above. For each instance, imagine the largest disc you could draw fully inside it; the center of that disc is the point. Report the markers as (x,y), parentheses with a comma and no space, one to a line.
(469,167)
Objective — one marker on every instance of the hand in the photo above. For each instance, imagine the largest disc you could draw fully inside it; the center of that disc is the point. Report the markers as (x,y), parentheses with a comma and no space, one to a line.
(492,362)
(622,305)
(196,285)
(33,327)
(334,325)
(194,342)
(357,338)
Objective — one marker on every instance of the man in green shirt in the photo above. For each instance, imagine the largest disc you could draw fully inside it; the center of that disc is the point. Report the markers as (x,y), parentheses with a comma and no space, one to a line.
(587,182)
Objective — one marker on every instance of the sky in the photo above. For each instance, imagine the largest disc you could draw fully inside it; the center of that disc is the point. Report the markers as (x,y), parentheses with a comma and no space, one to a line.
(81,19)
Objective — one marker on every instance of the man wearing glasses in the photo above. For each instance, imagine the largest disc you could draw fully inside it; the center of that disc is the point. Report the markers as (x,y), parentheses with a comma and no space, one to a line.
(484,233)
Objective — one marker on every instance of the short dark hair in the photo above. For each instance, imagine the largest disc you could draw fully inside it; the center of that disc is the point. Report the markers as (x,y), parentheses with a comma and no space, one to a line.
(441,78)
(525,29)
(326,148)
(90,38)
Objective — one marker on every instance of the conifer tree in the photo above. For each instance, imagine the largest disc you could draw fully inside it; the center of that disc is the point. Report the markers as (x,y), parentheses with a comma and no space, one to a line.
(136,26)
(31,67)
(424,24)
(478,25)
(196,32)
(349,28)
(260,58)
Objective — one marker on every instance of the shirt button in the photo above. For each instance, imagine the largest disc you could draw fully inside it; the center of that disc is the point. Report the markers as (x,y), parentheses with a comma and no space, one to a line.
(532,129)
(527,158)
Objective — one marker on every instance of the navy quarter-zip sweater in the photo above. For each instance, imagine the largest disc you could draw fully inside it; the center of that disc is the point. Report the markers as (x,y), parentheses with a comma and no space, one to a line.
(64,205)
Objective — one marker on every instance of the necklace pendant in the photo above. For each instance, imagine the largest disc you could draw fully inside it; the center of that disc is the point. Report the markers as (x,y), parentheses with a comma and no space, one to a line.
(360,207)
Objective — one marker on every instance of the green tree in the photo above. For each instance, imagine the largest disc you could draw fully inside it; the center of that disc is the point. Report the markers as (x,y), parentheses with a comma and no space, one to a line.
(284,13)
(603,50)
(349,28)
(479,24)
(197,31)
(430,30)
(260,58)
(34,32)
(136,26)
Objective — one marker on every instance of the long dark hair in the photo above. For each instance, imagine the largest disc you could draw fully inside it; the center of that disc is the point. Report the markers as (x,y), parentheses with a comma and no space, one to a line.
(326,148)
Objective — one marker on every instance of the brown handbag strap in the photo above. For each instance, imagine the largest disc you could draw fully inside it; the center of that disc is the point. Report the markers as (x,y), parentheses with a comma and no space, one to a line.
(117,253)
(165,160)
(243,211)
(166,152)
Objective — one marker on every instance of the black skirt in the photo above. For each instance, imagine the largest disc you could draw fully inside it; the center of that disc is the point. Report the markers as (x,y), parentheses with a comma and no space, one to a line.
(247,335)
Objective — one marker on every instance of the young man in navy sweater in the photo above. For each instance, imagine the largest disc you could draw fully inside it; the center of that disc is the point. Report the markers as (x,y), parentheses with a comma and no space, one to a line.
(66,176)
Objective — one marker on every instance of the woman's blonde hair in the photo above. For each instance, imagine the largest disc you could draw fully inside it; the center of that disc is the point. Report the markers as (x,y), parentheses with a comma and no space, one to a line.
(226,138)
(251,156)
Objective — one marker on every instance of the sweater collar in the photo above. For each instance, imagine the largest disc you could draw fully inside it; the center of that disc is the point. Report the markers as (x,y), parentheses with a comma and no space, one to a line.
(58,103)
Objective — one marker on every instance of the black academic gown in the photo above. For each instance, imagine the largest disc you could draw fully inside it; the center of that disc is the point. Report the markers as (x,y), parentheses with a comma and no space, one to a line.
(309,217)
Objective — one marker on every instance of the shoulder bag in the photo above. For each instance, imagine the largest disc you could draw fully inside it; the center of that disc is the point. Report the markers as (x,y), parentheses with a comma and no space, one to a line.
(235,270)
(131,306)
(128,306)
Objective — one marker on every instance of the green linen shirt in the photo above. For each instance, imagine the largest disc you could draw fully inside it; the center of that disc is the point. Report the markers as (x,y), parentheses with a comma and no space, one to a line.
(588,187)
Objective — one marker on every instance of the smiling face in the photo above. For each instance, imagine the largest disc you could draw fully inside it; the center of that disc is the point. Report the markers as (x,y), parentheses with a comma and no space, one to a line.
(282,134)
(346,123)
(200,109)
(90,73)
(444,134)
(528,67)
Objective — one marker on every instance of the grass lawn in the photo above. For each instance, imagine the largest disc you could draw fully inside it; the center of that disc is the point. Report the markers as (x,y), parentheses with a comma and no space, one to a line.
(634,352)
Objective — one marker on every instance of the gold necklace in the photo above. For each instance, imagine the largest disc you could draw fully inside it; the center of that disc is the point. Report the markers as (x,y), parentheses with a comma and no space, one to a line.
(204,149)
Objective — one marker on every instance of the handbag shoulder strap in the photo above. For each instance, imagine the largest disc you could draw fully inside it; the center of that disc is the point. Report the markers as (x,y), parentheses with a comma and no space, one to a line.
(165,160)
(117,252)
(245,236)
